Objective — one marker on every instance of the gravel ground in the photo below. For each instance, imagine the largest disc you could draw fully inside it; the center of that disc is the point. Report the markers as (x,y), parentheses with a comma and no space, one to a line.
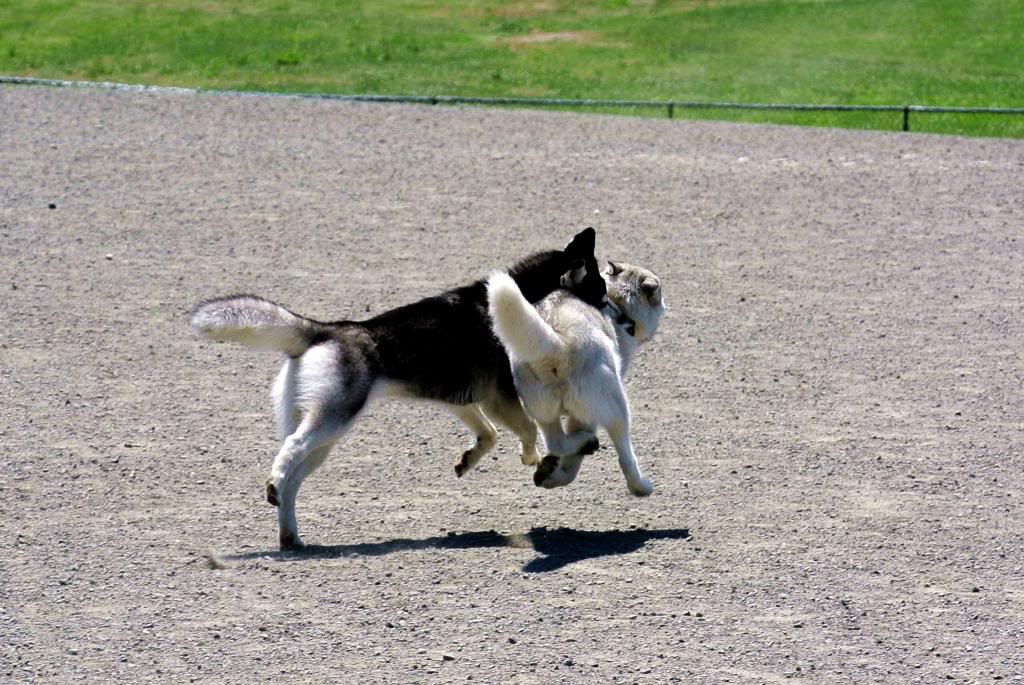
(832,413)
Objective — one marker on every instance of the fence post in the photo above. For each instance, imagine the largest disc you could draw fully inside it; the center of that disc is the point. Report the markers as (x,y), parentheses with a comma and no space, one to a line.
(671,108)
(906,118)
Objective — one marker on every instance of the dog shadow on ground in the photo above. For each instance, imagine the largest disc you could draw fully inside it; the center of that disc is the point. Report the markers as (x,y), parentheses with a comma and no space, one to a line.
(557,547)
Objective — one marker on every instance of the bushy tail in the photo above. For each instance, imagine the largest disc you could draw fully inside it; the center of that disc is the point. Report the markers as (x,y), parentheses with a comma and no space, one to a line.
(522,331)
(256,322)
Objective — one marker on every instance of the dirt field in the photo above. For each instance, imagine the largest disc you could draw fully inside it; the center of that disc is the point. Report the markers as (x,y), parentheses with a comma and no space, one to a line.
(833,413)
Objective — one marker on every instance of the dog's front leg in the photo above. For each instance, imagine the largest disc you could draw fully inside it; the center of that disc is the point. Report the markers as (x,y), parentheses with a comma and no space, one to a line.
(486,436)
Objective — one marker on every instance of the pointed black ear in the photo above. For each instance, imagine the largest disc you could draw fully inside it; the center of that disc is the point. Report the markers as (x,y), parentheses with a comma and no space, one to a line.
(582,243)
(614,268)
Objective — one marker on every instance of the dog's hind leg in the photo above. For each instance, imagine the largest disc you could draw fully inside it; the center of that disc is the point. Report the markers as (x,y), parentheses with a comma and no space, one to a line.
(486,436)
(283,393)
(510,414)
(562,444)
(287,525)
(618,431)
(309,436)
(575,425)
(558,471)
(610,409)
(330,385)
(310,442)
(567,451)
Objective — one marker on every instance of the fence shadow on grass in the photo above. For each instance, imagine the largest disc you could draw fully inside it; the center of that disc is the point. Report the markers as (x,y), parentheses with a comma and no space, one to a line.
(557,547)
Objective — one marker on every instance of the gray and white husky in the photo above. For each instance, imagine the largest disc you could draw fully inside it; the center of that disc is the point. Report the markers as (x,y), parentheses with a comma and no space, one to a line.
(569,358)
(440,349)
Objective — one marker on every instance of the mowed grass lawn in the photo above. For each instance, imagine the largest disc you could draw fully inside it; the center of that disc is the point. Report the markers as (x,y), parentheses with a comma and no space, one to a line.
(866,52)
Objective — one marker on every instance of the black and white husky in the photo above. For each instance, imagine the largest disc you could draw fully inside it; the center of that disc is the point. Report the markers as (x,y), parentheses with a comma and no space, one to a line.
(440,348)
(568,360)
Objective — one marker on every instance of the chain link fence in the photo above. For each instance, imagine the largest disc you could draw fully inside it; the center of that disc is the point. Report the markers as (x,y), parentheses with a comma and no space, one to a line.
(964,121)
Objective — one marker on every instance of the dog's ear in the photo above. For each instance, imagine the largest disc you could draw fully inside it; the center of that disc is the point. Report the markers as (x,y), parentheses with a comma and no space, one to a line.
(582,244)
(652,289)
(614,268)
(575,275)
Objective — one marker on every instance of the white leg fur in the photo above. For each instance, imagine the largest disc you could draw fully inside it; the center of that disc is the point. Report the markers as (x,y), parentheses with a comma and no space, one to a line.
(611,410)
(618,431)
(312,440)
(568,467)
(288,527)
(296,447)
(572,425)
(563,474)
(563,463)
(561,444)
(606,405)
(283,394)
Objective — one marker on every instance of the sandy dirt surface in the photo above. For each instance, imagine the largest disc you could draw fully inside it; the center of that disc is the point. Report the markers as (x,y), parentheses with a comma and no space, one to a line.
(833,413)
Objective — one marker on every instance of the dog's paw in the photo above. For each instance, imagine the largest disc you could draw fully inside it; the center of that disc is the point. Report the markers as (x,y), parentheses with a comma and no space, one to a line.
(552,473)
(641,488)
(272,495)
(530,458)
(290,542)
(545,469)
(465,463)
(589,447)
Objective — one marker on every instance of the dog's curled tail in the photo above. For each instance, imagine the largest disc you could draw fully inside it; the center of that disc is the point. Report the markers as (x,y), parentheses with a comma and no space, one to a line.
(256,322)
(519,327)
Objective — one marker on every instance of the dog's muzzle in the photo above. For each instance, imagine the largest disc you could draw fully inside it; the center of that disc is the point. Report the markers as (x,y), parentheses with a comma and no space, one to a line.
(619,318)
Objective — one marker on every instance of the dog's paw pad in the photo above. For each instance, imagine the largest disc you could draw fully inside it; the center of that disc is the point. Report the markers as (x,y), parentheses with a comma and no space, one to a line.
(272,496)
(590,447)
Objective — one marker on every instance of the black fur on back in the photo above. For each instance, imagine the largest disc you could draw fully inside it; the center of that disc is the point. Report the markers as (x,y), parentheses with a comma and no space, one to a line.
(442,347)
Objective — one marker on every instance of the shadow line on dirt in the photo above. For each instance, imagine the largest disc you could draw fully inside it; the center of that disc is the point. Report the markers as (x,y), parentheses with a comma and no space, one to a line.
(558,547)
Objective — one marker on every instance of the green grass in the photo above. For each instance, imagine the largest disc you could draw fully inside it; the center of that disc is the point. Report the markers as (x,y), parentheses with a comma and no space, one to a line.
(930,52)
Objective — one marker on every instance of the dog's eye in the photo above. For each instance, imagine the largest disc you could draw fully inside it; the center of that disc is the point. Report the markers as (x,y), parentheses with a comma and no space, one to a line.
(649,287)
